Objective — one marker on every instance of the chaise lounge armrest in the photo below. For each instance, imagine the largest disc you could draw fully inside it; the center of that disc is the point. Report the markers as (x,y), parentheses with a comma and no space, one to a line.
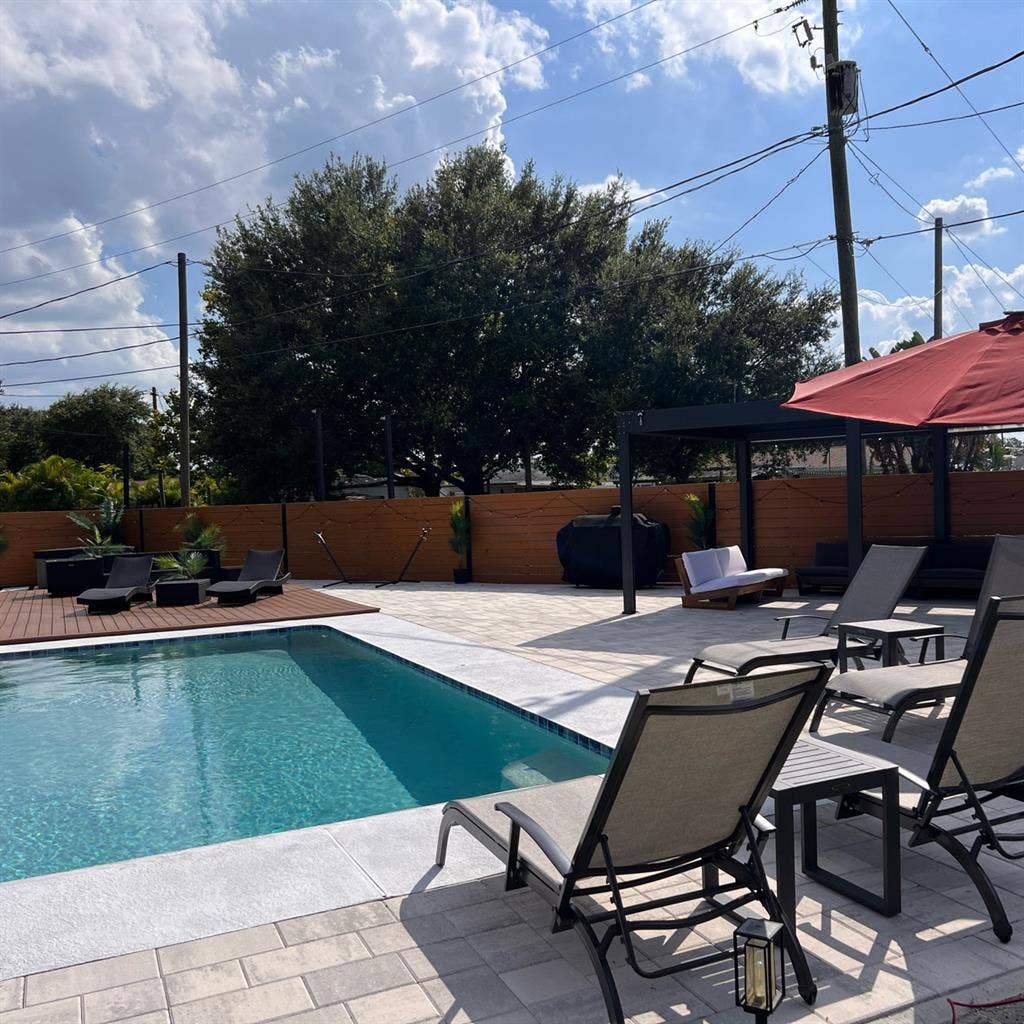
(926,640)
(548,846)
(786,619)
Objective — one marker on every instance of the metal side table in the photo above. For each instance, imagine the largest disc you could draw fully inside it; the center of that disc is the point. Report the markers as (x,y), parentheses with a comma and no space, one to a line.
(817,770)
(890,632)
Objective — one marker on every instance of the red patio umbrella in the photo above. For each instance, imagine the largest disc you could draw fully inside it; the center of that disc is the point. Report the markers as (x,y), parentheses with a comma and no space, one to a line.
(970,379)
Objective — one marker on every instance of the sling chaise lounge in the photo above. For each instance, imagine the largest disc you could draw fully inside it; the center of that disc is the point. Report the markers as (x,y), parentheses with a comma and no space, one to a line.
(948,798)
(873,593)
(691,770)
(258,575)
(894,691)
(128,581)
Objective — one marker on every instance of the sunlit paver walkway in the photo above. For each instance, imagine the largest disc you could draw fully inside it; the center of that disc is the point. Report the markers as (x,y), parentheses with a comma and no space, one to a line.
(472,953)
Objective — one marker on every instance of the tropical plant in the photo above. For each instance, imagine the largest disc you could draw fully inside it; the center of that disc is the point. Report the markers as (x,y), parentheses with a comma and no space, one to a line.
(458,519)
(698,526)
(53,483)
(102,531)
(183,565)
(199,536)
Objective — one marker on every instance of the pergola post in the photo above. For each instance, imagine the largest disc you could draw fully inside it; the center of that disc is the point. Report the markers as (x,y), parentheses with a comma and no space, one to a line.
(941,525)
(626,517)
(854,494)
(744,479)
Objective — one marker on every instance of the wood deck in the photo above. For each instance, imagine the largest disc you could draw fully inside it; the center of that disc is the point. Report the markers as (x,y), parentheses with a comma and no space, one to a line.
(29,615)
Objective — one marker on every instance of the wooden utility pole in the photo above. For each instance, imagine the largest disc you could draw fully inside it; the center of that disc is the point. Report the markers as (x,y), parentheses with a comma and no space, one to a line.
(389,458)
(837,76)
(186,457)
(937,307)
(834,72)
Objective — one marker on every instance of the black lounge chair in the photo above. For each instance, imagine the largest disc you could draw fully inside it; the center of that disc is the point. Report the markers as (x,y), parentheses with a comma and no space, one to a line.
(873,593)
(948,798)
(258,575)
(691,770)
(895,691)
(128,581)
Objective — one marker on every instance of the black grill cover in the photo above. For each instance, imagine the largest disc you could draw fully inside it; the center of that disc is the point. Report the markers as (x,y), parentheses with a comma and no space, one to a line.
(590,550)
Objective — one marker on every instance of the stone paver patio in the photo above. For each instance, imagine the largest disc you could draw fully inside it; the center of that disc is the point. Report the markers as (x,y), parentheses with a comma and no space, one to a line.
(472,953)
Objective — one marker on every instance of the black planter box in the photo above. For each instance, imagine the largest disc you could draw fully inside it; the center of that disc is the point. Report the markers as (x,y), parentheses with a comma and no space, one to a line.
(171,593)
(66,577)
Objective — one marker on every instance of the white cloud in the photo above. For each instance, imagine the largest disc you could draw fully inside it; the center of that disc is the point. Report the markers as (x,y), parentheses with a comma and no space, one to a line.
(987,175)
(637,81)
(963,208)
(771,63)
(629,187)
(967,301)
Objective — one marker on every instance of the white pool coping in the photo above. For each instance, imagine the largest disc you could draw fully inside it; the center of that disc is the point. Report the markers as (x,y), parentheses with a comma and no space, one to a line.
(72,917)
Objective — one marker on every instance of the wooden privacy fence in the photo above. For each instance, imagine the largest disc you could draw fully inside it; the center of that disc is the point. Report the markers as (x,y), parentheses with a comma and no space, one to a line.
(514,534)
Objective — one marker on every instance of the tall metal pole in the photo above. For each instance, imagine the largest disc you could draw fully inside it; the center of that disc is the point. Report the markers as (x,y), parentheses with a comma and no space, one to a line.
(186,455)
(321,478)
(389,457)
(847,273)
(159,468)
(937,307)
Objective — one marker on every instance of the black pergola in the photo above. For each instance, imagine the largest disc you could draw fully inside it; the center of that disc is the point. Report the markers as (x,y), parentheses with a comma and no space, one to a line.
(746,423)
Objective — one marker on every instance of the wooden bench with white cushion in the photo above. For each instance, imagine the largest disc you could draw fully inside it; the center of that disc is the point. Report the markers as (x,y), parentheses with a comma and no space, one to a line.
(716,577)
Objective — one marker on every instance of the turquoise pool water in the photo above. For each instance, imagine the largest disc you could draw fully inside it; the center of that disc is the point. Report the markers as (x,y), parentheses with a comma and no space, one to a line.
(137,749)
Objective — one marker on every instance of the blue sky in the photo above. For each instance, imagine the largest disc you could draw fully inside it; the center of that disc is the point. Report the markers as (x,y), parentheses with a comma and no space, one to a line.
(110,106)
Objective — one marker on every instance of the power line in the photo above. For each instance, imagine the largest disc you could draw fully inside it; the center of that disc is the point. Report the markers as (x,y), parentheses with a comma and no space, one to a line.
(491,127)
(82,291)
(958,224)
(961,244)
(335,138)
(946,120)
(903,288)
(617,78)
(949,78)
(90,352)
(764,206)
(94,376)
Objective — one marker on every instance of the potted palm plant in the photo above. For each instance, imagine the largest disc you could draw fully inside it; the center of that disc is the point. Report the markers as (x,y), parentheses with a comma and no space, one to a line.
(180,583)
(458,519)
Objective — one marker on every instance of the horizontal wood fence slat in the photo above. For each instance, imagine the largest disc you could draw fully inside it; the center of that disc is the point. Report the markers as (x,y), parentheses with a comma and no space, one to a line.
(514,534)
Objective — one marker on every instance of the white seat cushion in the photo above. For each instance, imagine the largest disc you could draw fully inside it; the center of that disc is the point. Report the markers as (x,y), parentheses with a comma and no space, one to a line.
(740,579)
(702,566)
(731,560)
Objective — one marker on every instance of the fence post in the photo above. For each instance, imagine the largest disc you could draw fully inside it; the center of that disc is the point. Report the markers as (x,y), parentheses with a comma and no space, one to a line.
(142,530)
(469,545)
(712,517)
(284,533)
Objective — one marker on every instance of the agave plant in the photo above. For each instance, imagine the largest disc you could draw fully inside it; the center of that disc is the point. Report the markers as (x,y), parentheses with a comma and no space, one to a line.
(183,565)
(199,536)
(698,526)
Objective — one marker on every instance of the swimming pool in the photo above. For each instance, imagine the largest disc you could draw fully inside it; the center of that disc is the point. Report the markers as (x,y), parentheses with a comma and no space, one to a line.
(139,748)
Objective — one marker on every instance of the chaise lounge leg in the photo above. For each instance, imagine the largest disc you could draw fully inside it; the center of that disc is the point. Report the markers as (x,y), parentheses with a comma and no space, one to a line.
(442,840)
(597,951)
(804,979)
(892,721)
(692,670)
(993,904)
(819,710)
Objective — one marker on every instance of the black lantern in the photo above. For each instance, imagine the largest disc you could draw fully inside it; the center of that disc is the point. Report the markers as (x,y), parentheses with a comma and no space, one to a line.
(758,944)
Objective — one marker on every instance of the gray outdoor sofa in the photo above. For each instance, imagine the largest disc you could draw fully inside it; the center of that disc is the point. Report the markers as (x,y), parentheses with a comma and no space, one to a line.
(971,786)
(683,791)
(896,690)
(258,575)
(873,593)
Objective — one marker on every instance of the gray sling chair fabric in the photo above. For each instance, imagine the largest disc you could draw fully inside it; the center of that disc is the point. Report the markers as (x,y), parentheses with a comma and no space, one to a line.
(258,575)
(873,593)
(128,580)
(691,770)
(896,690)
(979,759)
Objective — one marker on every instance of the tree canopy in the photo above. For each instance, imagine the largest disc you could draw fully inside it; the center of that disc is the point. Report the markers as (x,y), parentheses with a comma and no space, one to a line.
(94,425)
(493,315)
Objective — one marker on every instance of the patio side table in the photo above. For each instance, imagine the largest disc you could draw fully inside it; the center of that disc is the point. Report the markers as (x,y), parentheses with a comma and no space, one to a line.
(890,632)
(818,770)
